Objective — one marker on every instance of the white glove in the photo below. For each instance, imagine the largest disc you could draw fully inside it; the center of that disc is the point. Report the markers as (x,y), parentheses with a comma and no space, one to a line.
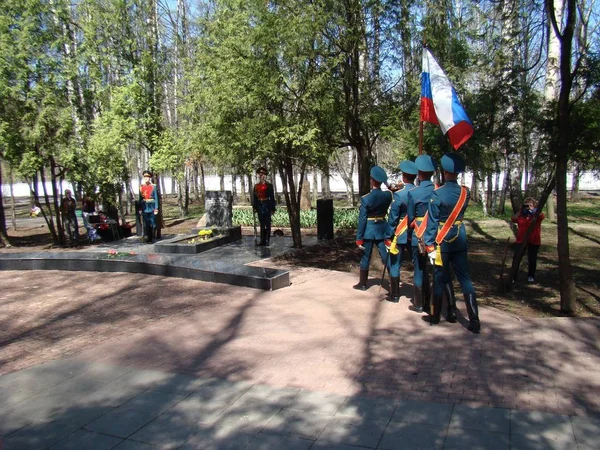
(432,255)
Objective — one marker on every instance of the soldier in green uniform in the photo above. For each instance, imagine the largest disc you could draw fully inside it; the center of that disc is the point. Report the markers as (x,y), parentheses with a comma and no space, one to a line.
(446,240)
(372,223)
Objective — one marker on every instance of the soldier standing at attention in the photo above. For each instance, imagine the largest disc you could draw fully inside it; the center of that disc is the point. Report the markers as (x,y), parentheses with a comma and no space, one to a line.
(372,223)
(398,233)
(263,204)
(446,239)
(418,205)
(148,204)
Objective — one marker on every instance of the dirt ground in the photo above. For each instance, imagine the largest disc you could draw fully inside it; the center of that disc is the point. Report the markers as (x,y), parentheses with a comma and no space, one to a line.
(540,299)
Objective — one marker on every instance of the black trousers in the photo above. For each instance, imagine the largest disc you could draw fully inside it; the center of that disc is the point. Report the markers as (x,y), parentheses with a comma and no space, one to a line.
(532,253)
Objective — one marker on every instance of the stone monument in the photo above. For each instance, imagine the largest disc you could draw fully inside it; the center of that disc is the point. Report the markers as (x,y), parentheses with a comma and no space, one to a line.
(219,209)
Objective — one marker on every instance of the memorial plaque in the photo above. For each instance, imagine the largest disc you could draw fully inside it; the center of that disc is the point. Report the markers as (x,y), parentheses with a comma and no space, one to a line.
(325,219)
(219,209)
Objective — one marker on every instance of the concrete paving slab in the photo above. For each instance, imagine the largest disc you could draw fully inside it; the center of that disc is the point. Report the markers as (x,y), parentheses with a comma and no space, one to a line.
(317,402)
(9,423)
(134,414)
(412,436)
(211,440)
(587,430)
(269,442)
(37,436)
(87,440)
(170,430)
(484,419)
(133,445)
(298,424)
(372,409)
(460,439)
(415,411)
(534,441)
(358,432)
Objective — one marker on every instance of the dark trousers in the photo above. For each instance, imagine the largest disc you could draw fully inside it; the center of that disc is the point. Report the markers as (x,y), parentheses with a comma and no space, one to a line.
(532,253)
(365,259)
(264,217)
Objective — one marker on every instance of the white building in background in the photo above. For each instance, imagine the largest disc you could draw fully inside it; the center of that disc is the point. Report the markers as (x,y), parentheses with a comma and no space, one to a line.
(588,182)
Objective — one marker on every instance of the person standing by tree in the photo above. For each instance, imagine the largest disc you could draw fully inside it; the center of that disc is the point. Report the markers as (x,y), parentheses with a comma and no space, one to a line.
(68,206)
(524,219)
(264,204)
(418,204)
(446,240)
(372,224)
(398,233)
(148,205)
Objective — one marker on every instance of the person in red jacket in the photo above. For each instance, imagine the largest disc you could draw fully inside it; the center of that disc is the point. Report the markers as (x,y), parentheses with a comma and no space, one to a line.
(523,219)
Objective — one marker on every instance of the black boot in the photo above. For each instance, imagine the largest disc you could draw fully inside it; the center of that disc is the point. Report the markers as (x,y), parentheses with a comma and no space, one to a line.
(394,289)
(149,234)
(451,299)
(362,284)
(436,312)
(426,295)
(417,305)
(473,312)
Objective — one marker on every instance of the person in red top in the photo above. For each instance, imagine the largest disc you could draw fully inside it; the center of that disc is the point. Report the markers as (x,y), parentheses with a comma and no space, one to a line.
(523,219)
(263,203)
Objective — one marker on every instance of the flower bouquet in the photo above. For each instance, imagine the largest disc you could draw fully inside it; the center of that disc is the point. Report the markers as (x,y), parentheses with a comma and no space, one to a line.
(115,254)
(202,236)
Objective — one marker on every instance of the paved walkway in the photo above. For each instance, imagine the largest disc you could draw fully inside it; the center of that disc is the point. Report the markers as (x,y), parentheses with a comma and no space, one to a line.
(316,365)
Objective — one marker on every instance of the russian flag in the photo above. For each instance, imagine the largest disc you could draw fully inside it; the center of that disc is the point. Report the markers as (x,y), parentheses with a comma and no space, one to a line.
(440,104)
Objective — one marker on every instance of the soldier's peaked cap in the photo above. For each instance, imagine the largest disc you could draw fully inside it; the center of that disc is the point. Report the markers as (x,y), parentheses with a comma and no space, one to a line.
(453,163)
(408,167)
(147,173)
(425,163)
(378,174)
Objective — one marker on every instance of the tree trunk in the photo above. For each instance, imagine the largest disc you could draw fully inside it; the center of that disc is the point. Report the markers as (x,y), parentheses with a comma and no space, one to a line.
(2,214)
(474,189)
(244,196)
(325,186)
(565,271)
(12,200)
(292,198)
(202,184)
(195,182)
(575,197)
(490,192)
(315,187)
(234,187)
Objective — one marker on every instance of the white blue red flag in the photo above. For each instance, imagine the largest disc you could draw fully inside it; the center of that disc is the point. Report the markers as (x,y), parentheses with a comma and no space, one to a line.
(440,104)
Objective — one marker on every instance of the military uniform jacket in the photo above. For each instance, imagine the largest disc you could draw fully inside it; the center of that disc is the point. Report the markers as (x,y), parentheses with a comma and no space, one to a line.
(441,206)
(399,210)
(264,195)
(371,217)
(418,205)
(148,198)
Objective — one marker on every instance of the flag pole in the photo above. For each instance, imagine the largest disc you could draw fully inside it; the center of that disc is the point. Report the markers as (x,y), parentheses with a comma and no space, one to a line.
(420,136)
(420,117)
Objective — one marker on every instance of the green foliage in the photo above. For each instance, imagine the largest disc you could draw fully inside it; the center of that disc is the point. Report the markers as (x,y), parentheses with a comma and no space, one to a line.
(345,218)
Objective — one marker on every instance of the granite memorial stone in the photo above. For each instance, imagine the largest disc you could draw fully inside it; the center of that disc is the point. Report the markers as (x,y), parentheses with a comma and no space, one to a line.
(219,209)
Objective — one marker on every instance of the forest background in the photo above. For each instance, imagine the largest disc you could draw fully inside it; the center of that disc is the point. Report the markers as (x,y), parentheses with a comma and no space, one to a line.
(93,92)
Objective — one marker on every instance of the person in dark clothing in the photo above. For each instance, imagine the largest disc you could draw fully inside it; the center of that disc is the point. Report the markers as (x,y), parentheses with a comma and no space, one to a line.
(264,204)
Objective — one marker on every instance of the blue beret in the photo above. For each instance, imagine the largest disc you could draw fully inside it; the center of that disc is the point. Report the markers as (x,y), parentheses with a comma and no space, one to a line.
(378,174)
(425,163)
(408,167)
(453,163)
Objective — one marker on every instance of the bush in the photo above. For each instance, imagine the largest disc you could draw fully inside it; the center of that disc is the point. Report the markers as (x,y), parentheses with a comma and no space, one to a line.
(342,218)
